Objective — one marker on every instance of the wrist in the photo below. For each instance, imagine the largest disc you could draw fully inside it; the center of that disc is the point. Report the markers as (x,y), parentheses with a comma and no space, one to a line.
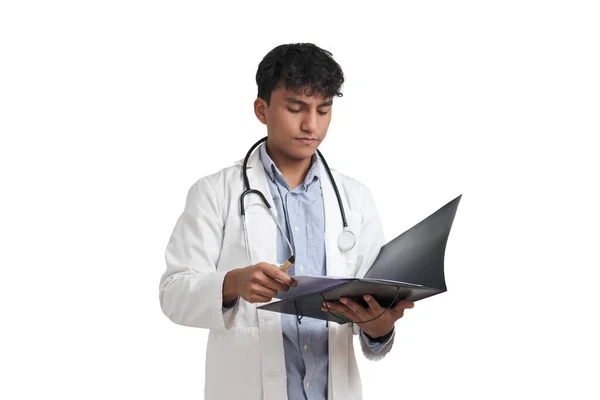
(230,291)
(380,339)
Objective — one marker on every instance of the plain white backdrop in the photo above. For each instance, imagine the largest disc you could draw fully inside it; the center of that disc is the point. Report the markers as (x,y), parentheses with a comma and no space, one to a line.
(110,111)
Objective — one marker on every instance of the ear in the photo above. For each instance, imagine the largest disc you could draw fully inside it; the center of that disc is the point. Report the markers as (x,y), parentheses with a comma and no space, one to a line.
(260,110)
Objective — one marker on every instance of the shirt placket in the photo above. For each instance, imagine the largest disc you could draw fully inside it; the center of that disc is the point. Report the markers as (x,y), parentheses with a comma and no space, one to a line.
(298,228)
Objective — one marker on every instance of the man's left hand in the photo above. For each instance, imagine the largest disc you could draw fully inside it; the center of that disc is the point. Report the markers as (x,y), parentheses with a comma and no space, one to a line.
(377,327)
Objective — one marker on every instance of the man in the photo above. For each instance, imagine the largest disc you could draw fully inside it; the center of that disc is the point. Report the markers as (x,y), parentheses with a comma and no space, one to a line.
(211,281)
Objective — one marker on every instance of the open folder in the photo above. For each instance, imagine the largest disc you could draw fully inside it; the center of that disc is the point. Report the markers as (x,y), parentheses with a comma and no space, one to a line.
(410,267)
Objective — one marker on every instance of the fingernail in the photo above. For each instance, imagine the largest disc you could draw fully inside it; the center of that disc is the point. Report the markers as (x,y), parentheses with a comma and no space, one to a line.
(367,297)
(324,304)
(343,300)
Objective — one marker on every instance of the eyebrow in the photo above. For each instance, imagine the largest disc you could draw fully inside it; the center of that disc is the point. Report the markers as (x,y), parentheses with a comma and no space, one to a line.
(296,101)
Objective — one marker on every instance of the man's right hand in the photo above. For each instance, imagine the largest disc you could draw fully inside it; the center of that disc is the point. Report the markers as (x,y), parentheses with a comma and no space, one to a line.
(256,284)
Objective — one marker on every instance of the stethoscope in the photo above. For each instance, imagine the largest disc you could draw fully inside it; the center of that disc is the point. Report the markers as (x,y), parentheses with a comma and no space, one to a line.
(346,240)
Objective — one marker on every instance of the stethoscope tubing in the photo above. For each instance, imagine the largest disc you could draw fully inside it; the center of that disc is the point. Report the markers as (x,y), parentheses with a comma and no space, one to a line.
(346,240)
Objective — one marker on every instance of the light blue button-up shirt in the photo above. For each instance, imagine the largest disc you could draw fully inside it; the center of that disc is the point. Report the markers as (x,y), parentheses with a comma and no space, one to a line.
(302,215)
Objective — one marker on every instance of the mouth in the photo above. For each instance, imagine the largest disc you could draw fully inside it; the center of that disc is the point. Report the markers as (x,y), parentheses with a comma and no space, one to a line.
(307,140)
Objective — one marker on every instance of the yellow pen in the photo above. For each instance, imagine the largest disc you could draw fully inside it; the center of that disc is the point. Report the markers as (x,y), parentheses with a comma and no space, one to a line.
(288,263)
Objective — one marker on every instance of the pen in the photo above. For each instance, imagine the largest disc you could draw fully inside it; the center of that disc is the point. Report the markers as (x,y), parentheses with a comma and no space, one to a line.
(288,263)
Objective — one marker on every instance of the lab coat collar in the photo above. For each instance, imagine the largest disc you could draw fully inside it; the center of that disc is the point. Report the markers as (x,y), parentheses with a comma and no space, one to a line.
(318,173)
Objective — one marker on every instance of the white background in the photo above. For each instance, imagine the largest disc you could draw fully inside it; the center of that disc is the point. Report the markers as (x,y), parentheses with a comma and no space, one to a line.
(110,111)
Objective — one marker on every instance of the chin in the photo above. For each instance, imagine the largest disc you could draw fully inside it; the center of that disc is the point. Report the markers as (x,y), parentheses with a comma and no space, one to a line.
(302,154)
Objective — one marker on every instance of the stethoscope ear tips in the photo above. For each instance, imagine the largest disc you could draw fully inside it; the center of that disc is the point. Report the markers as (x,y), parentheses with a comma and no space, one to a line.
(346,240)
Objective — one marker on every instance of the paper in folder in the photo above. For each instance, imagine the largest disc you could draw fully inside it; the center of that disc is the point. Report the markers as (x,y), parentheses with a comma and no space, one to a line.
(410,267)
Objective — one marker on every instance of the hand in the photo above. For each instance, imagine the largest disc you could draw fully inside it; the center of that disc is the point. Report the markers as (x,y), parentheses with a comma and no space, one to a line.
(355,312)
(256,284)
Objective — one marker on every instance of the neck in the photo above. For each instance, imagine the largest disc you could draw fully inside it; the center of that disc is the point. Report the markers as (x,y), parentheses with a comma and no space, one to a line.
(294,171)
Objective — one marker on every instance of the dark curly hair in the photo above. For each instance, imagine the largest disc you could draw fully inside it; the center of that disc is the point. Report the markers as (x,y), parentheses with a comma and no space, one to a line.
(299,65)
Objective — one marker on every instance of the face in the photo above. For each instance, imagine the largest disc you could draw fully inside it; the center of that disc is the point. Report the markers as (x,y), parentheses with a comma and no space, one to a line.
(296,123)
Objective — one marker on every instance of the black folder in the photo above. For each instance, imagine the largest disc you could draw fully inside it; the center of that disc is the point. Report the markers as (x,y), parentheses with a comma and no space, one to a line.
(410,267)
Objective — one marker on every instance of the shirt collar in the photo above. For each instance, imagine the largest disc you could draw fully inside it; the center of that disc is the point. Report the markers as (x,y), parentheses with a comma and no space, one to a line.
(275,175)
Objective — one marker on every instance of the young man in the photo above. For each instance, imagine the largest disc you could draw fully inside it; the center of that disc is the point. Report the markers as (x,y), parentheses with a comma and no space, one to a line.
(218,272)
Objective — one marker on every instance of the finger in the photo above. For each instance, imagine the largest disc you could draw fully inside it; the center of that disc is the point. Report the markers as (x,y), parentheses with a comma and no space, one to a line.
(257,289)
(337,312)
(374,305)
(356,308)
(273,284)
(255,298)
(259,277)
(403,304)
(341,309)
(282,287)
(276,273)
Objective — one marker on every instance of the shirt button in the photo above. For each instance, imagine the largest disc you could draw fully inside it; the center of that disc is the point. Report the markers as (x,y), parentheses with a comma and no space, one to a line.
(300,267)
(307,385)
(305,347)
(296,229)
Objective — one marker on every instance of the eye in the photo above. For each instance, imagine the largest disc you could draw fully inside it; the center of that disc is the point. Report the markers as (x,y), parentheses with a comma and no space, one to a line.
(323,112)
(293,111)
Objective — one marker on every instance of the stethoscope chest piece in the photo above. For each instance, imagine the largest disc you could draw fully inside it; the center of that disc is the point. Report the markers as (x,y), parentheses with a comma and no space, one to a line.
(346,240)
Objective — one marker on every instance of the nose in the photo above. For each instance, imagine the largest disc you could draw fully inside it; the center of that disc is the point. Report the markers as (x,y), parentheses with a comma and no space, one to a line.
(310,122)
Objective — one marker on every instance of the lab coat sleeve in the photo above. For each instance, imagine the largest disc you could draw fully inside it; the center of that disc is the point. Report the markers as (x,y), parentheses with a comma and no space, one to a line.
(375,353)
(370,242)
(376,346)
(191,289)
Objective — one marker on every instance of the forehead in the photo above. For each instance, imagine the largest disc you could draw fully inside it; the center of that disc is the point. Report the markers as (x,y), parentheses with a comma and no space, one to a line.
(282,94)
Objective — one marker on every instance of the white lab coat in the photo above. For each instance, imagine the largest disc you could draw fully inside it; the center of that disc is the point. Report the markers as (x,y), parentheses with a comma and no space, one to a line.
(245,357)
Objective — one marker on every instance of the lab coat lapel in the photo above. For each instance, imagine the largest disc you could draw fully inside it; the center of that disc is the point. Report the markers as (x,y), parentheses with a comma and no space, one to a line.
(336,266)
(262,230)
(262,235)
(336,262)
